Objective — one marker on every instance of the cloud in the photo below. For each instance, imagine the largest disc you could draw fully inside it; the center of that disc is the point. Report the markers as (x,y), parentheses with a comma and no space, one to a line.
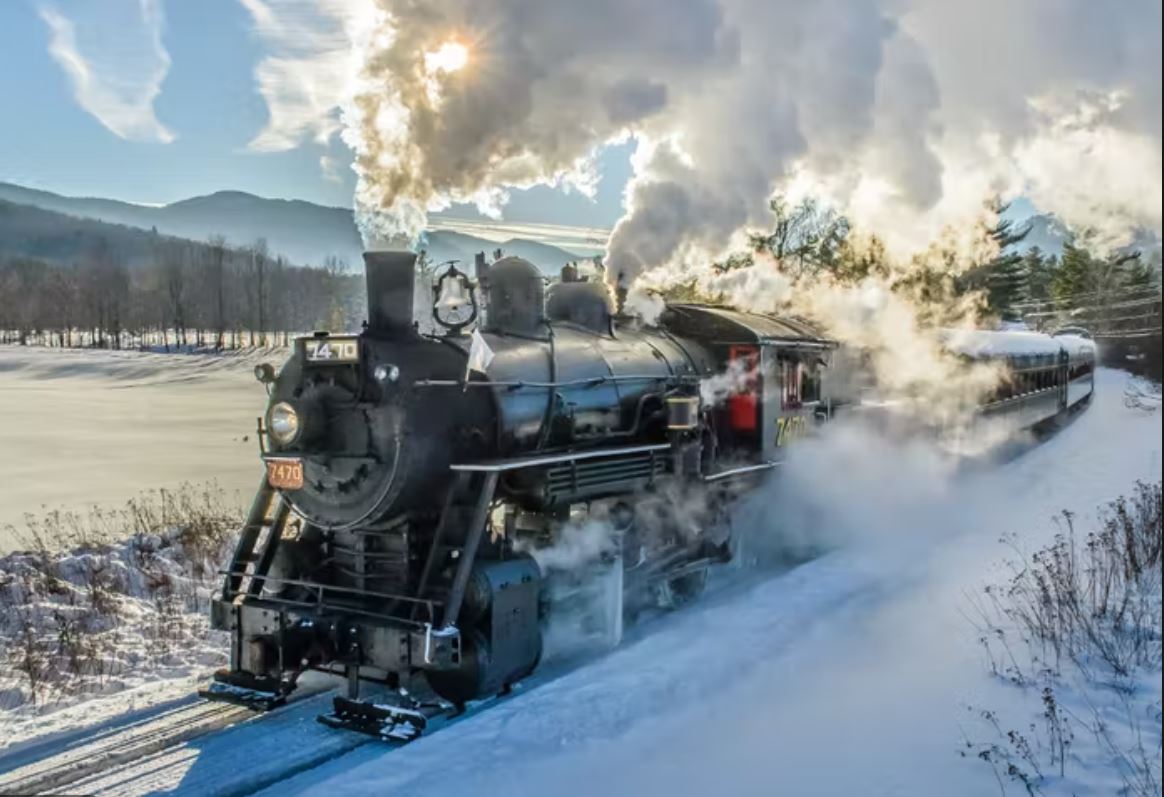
(309,64)
(113,55)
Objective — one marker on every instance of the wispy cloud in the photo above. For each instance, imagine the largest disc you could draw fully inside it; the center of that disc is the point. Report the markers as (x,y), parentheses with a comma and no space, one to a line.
(308,63)
(113,55)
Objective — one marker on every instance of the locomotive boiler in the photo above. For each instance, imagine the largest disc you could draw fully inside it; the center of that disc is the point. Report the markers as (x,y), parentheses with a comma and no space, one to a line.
(409,477)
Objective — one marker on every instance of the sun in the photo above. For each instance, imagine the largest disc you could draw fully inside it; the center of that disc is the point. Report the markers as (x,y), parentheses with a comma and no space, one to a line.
(449,57)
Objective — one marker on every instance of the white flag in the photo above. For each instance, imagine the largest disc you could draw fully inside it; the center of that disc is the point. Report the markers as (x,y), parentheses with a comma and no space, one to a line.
(480,355)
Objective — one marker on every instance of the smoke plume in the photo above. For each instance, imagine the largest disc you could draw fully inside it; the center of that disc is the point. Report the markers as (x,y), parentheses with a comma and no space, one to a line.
(907,114)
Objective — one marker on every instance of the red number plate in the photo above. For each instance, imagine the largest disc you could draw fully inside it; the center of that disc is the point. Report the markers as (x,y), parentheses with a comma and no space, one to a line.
(285,474)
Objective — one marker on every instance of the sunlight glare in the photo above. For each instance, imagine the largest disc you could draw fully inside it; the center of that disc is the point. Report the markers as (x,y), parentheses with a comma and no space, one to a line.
(449,57)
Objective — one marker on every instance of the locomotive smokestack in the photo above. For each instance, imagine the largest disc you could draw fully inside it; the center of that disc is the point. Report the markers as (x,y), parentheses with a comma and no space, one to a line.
(391,280)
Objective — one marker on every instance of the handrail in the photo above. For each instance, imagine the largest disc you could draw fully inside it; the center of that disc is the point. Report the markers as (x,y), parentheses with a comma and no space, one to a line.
(502,465)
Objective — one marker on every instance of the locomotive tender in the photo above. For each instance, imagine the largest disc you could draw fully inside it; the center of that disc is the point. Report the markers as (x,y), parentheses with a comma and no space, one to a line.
(409,476)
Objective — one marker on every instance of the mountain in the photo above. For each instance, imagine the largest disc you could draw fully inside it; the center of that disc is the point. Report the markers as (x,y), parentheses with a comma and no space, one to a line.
(31,232)
(1050,234)
(303,232)
(1046,232)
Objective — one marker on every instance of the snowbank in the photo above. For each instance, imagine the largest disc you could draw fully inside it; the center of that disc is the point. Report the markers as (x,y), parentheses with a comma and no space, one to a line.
(103,628)
(851,674)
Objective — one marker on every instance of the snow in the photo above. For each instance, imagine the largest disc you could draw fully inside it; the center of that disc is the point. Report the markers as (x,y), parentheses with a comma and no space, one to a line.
(984,343)
(853,673)
(113,628)
(85,427)
(1076,344)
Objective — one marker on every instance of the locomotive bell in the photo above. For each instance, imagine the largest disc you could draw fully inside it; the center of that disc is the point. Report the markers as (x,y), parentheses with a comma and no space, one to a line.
(453,296)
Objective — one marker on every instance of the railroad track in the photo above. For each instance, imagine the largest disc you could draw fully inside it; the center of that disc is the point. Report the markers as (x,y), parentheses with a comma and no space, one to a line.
(109,749)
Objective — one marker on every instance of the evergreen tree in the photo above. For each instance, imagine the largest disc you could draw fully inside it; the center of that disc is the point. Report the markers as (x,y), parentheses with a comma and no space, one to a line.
(1005,277)
(1076,274)
(1039,272)
(1140,274)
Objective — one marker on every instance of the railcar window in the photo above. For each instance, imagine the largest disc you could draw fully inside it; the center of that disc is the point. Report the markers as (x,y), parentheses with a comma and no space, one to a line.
(810,383)
(790,377)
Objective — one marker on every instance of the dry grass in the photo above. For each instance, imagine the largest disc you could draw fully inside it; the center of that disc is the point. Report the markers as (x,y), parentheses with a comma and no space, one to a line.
(1080,621)
(94,597)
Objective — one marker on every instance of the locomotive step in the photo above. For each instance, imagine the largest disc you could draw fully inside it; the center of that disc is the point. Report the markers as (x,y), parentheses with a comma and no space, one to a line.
(391,722)
(242,689)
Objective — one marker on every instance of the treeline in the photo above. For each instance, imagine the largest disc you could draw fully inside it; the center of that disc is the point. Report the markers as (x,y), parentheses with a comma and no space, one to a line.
(1120,288)
(186,294)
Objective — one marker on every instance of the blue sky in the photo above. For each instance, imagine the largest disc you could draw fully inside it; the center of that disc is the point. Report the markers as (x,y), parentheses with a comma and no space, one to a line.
(207,108)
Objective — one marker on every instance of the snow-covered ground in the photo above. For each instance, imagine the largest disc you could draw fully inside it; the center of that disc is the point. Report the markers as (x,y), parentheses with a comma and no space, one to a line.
(89,634)
(84,428)
(854,673)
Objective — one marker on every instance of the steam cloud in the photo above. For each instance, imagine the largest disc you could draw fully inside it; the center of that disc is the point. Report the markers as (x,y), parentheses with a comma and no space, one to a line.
(905,115)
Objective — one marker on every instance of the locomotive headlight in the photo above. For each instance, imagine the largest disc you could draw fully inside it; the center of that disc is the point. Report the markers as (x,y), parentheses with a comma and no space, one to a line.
(283,423)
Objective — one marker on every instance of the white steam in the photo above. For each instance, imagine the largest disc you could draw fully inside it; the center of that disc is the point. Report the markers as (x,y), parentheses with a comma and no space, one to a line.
(576,545)
(907,114)
(897,111)
(898,332)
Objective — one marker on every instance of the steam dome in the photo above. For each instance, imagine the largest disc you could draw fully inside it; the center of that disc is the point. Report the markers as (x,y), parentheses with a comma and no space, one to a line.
(516,296)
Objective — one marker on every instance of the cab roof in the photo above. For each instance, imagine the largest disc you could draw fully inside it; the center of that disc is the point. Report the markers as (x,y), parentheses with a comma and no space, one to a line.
(724,325)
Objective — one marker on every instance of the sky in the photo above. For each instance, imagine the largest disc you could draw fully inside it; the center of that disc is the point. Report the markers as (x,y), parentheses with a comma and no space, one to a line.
(886,111)
(151,102)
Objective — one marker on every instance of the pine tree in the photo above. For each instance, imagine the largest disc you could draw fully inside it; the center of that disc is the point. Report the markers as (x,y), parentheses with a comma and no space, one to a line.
(1004,279)
(1076,274)
(1140,274)
(1039,272)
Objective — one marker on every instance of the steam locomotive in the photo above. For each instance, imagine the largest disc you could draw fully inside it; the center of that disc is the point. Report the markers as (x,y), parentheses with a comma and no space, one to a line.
(409,476)
(412,478)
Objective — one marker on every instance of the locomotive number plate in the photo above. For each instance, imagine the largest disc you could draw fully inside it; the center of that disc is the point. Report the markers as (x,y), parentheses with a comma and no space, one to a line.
(285,473)
(336,351)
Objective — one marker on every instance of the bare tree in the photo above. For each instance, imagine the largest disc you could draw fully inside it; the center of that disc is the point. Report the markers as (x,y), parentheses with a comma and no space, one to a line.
(256,289)
(173,270)
(215,277)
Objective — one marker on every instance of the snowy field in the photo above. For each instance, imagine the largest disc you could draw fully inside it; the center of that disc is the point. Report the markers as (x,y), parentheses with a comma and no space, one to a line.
(85,428)
(855,672)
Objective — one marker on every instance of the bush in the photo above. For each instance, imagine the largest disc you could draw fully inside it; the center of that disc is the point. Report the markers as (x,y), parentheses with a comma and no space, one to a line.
(1081,622)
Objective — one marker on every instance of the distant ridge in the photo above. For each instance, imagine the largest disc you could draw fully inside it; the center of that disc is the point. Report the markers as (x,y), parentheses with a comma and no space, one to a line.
(303,232)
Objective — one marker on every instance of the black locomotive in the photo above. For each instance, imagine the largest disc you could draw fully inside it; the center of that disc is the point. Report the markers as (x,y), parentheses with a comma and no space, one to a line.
(409,475)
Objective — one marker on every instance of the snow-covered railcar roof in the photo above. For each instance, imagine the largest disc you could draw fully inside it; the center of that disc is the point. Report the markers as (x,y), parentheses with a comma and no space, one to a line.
(984,343)
(1076,344)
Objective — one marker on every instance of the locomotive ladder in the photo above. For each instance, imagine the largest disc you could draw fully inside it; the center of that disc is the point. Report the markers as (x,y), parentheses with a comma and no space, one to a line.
(257,542)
